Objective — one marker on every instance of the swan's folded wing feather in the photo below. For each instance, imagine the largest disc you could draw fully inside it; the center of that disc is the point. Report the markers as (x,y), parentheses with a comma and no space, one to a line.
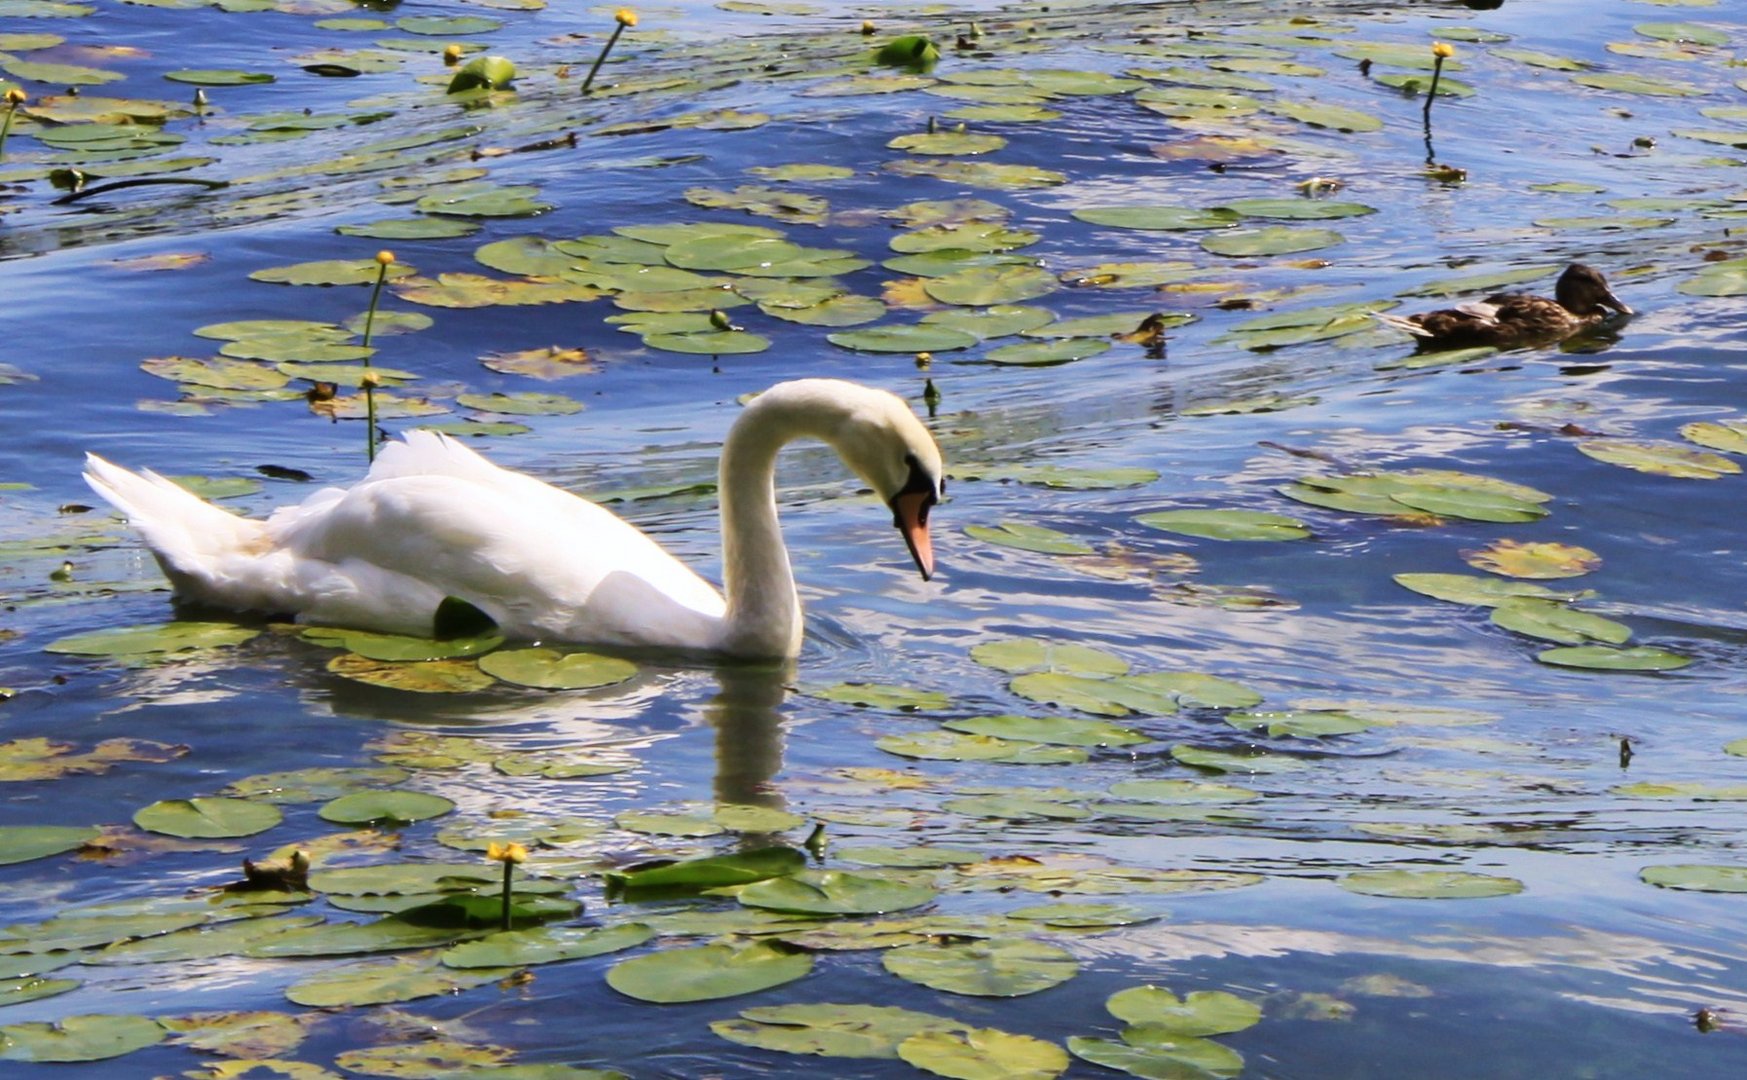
(530,555)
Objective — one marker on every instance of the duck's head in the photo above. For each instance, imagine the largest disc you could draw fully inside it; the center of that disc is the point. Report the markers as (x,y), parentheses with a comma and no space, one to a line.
(1583,291)
(887,446)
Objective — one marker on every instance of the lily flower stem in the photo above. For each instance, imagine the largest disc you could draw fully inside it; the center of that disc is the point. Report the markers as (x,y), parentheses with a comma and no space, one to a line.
(6,127)
(509,868)
(618,29)
(1432,94)
(370,384)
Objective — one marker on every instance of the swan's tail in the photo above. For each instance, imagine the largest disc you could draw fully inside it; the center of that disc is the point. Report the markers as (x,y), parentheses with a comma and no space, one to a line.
(191,538)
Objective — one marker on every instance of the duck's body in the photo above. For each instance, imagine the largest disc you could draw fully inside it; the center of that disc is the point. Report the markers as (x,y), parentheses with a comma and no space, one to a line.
(1511,320)
(434,520)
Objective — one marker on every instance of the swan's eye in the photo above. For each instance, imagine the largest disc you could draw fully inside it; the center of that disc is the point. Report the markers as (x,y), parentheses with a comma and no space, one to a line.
(918,483)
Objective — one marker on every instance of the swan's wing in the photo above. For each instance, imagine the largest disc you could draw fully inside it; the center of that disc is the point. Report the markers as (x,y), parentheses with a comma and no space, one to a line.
(531,556)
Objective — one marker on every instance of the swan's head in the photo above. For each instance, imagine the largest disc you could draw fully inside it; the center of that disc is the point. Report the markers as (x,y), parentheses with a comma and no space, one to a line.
(881,439)
(891,449)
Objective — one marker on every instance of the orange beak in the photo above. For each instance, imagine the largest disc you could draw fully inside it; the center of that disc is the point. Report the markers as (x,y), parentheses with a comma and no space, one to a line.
(910,515)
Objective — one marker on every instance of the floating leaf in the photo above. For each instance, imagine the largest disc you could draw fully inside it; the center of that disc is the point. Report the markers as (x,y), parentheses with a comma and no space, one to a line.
(1698,877)
(1171,1058)
(22,843)
(1601,658)
(1204,1012)
(1429,884)
(1470,589)
(707,972)
(154,639)
(385,808)
(207,818)
(997,967)
(1027,537)
(1029,654)
(881,696)
(1662,459)
(550,669)
(332,272)
(952,746)
(1552,621)
(1299,209)
(1055,730)
(830,1030)
(79,1038)
(903,339)
(545,945)
(834,892)
(1539,560)
(1317,114)
(1062,476)
(714,871)
(1273,240)
(1159,218)
(430,677)
(1226,524)
(387,981)
(1625,83)
(979,1053)
(994,285)
(1046,353)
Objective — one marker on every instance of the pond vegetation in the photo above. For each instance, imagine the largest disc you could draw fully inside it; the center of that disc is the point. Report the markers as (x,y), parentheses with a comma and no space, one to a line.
(1292,700)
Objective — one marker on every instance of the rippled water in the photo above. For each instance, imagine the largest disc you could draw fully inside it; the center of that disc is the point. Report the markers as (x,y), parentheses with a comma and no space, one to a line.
(1588,971)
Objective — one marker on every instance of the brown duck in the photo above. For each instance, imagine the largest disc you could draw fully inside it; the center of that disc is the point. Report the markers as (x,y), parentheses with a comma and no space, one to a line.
(1514,320)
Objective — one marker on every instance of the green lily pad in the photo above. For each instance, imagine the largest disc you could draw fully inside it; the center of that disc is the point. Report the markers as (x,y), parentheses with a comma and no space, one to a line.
(947,143)
(1046,353)
(1698,877)
(1429,884)
(1055,730)
(990,322)
(709,343)
(549,669)
(419,228)
(1320,115)
(1158,218)
(1553,621)
(386,981)
(955,746)
(1298,723)
(834,892)
(481,199)
(22,843)
(1169,1058)
(218,77)
(993,285)
(1297,209)
(153,640)
(1473,589)
(1661,459)
(1602,658)
(1645,85)
(996,967)
(79,1038)
(1273,240)
(207,818)
(1062,476)
(707,972)
(31,988)
(333,272)
(903,339)
(1226,524)
(385,807)
(881,696)
(1019,655)
(458,676)
(830,1030)
(545,945)
(715,871)
(1726,435)
(1027,537)
(398,647)
(984,1052)
(1204,1012)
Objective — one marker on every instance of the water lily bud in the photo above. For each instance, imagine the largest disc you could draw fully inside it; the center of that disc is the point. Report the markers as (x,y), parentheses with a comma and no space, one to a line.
(1443,50)
(923,359)
(452,55)
(385,258)
(370,380)
(200,97)
(868,29)
(15,96)
(625,17)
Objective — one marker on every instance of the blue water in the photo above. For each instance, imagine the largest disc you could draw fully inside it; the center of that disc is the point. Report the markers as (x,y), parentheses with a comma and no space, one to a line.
(1587,972)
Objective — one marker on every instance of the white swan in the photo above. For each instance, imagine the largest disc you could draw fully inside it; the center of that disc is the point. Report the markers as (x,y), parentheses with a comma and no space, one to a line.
(433,519)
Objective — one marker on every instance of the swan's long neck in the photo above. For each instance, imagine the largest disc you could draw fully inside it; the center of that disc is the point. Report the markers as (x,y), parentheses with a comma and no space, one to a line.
(764,610)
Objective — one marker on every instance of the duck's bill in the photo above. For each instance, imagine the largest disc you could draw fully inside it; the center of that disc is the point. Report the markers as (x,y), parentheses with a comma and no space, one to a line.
(910,515)
(1609,300)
